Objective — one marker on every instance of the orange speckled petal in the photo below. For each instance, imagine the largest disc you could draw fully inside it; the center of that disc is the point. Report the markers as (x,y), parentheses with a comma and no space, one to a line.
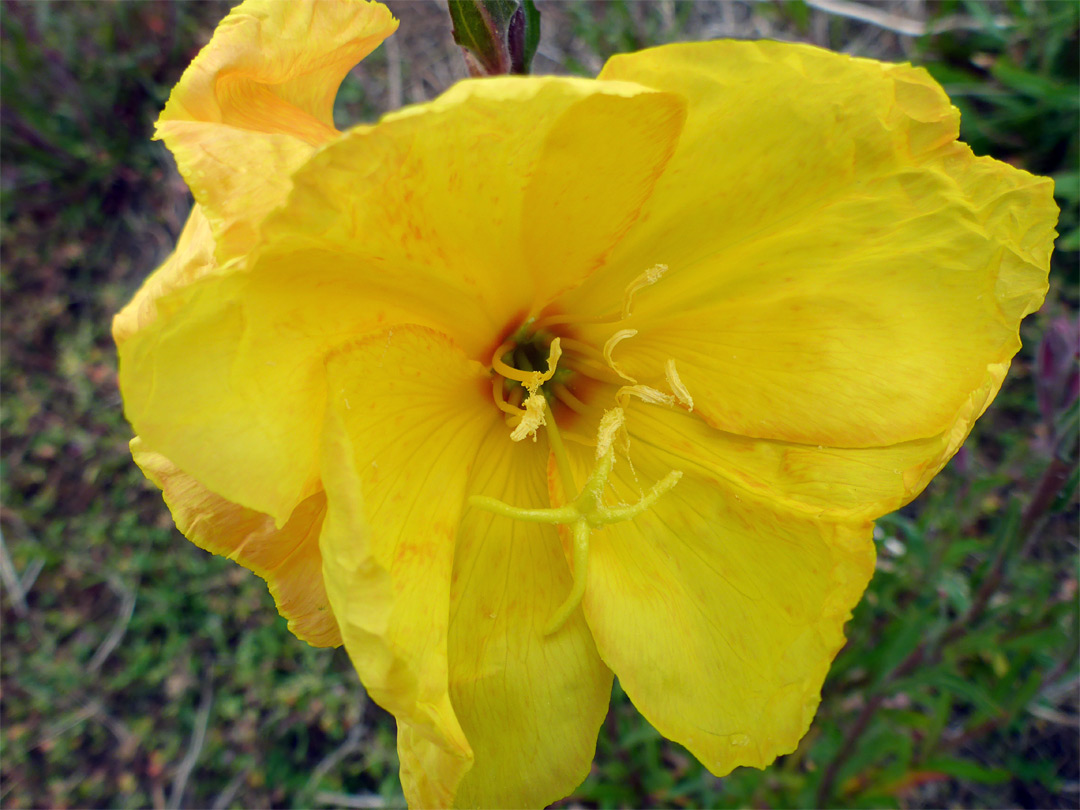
(287,558)
(258,100)
(719,611)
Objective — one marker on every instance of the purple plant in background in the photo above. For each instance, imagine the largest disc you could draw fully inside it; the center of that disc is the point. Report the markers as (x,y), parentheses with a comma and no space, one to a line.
(1057,368)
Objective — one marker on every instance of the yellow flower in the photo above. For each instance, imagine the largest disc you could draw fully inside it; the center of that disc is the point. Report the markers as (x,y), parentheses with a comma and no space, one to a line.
(758,289)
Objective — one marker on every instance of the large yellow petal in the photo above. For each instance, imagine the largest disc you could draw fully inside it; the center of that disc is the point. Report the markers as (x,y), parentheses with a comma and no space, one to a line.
(215,384)
(228,380)
(861,483)
(499,194)
(720,611)
(258,99)
(192,259)
(287,558)
(275,67)
(530,704)
(841,272)
(237,177)
(406,413)
(246,113)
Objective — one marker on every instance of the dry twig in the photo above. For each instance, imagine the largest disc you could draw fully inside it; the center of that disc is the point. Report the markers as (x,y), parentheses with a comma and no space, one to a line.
(198,737)
(119,628)
(367,801)
(11,581)
(894,22)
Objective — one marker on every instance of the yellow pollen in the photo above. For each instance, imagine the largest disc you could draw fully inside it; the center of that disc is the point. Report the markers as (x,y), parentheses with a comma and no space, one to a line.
(646,279)
(645,393)
(533,417)
(531,420)
(609,426)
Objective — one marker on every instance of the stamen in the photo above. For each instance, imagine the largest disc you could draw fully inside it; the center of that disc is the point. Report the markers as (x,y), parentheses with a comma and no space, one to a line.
(645,393)
(612,342)
(500,401)
(646,279)
(677,386)
(509,372)
(581,347)
(554,353)
(521,360)
(557,320)
(610,423)
(595,371)
(563,394)
(532,420)
(535,405)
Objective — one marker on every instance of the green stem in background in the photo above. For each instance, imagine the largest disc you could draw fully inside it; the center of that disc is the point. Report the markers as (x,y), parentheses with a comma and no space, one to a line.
(1058,476)
(498,37)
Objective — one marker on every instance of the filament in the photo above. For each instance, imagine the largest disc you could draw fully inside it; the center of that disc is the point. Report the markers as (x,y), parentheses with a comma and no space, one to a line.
(596,371)
(497,395)
(563,394)
(509,372)
(556,320)
(581,347)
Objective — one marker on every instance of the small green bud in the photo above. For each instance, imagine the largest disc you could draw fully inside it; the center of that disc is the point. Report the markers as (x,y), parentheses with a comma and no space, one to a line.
(497,36)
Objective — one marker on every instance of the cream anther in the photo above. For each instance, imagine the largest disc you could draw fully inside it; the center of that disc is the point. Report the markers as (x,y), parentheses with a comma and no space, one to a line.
(646,279)
(652,396)
(677,386)
(610,424)
(535,405)
(609,347)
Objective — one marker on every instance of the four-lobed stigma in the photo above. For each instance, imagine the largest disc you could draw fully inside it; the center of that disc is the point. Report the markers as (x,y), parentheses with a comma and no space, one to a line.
(587,511)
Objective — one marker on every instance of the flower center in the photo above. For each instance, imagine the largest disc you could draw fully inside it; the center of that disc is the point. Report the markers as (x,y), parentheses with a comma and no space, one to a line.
(537,365)
(517,361)
(529,383)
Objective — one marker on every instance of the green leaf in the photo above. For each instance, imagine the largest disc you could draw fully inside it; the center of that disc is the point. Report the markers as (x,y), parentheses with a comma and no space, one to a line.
(956,589)
(1024,81)
(532,34)
(1069,241)
(968,771)
(477,32)
(951,682)
(1067,186)
(898,644)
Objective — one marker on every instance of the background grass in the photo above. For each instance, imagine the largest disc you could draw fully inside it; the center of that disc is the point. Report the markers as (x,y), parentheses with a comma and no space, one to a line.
(138,671)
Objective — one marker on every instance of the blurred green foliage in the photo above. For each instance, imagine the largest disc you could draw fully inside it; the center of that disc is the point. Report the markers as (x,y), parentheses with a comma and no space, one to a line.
(1017,91)
(139,671)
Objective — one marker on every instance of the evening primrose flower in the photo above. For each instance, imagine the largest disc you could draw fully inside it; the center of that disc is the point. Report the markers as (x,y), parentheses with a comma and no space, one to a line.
(552,379)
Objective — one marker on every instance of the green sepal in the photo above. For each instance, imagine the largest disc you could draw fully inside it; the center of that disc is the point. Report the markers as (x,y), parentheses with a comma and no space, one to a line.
(497,36)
